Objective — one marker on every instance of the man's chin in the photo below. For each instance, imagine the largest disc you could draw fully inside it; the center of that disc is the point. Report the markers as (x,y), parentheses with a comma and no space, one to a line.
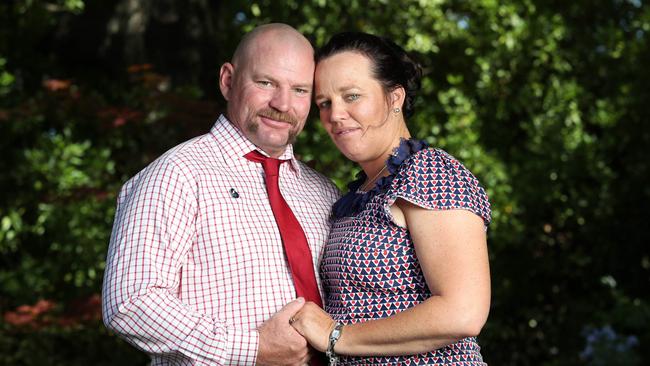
(271,143)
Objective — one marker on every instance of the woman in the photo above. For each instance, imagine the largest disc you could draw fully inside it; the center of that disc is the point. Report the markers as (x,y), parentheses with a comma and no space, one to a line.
(405,269)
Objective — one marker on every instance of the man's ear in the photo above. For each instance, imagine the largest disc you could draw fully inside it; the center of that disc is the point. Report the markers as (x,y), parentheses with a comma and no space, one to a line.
(225,79)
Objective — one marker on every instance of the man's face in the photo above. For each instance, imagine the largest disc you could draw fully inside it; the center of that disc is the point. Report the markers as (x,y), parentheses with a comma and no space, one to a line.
(269,93)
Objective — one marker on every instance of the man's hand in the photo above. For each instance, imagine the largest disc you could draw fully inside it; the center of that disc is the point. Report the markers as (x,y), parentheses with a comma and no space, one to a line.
(280,344)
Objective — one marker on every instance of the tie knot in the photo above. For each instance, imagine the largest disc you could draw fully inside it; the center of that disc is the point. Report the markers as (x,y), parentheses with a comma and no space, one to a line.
(271,165)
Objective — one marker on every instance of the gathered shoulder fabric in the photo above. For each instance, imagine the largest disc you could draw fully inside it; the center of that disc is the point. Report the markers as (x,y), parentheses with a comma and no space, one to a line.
(433,179)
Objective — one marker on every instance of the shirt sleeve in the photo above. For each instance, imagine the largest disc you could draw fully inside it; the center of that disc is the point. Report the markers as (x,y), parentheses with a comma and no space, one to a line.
(435,180)
(152,234)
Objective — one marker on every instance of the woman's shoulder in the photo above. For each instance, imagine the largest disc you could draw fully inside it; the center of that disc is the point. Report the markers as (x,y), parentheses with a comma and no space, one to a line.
(431,160)
(435,179)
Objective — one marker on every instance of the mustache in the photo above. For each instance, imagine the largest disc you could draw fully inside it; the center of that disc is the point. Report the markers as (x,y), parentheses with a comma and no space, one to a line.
(278,116)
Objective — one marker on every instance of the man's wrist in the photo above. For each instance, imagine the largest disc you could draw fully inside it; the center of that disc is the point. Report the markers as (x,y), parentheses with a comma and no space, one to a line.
(244,346)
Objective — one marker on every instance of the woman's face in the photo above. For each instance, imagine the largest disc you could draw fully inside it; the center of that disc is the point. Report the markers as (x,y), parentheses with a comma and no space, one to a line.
(354,109)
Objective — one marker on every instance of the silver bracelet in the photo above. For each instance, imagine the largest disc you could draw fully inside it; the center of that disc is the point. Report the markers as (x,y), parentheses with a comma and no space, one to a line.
(334,337)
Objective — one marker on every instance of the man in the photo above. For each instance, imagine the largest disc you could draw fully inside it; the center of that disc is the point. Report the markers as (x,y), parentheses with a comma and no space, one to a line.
(196,270)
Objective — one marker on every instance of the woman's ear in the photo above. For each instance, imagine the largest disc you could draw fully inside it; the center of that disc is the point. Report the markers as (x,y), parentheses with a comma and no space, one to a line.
(397,96)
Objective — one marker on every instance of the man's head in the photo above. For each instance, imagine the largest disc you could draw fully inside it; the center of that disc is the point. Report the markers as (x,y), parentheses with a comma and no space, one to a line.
(268,86)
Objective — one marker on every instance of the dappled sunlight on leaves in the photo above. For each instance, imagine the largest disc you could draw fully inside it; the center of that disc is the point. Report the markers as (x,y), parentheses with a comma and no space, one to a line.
(545,102)
(49,313)
(56,84)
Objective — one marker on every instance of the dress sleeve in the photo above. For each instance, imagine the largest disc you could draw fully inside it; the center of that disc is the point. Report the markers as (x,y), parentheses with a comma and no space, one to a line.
(435,180)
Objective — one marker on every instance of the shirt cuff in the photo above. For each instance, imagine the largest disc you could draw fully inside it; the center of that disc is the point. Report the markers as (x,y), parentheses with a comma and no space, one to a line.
(244,345)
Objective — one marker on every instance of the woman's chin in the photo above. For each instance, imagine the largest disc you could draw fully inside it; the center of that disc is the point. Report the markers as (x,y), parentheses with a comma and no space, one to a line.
(354,151)
(354,156)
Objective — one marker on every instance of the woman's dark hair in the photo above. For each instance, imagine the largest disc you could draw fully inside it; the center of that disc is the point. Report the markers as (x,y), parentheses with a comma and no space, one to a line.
(392,66)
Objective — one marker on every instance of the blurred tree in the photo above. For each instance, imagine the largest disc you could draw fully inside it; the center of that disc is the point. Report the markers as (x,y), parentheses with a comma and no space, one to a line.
(546,102)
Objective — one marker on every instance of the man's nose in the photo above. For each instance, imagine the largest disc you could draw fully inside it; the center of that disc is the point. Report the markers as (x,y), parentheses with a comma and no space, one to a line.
(281,100)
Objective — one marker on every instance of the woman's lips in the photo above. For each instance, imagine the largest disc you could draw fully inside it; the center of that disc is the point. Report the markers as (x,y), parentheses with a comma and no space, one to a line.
(345,131)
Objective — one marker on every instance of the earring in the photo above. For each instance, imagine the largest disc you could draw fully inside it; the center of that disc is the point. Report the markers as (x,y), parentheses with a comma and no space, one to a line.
(396,110)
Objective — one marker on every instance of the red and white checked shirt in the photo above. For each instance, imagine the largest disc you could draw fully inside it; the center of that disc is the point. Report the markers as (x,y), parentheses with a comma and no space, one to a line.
(196,262)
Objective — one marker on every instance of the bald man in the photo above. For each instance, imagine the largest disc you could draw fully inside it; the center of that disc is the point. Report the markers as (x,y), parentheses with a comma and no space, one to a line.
(196,272)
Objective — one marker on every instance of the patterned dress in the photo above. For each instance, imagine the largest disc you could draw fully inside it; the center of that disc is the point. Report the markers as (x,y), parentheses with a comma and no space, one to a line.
(369,268)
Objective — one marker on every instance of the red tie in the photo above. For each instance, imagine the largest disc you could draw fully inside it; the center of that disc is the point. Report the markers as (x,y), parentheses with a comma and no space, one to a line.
(295,242)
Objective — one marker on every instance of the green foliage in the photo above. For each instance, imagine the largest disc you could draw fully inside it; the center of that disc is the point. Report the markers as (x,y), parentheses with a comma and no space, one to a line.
(77,346)
(546,102)
(6,79)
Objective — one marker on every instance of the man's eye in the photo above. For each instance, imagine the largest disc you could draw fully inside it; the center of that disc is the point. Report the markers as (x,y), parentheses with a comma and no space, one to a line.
(302,91)
(264,83)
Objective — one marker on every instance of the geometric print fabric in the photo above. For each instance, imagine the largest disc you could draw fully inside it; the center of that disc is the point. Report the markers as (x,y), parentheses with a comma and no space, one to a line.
(369,268)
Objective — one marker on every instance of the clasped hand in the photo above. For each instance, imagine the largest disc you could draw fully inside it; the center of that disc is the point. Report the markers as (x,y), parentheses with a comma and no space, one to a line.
(314,324)
(282,344)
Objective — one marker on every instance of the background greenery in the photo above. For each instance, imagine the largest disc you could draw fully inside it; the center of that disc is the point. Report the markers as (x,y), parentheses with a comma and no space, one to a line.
(545,101)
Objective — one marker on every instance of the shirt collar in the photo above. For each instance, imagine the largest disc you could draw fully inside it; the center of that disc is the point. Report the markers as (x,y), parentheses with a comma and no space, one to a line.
(234,145)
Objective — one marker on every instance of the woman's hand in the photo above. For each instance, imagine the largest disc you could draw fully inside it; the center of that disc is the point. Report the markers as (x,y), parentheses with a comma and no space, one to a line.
(314,324)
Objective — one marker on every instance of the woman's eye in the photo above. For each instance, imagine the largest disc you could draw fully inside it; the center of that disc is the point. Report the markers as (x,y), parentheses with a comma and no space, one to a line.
(352,97)
(324,104)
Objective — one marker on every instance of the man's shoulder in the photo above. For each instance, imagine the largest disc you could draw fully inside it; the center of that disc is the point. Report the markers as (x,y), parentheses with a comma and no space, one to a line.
(180,160)
(191,151)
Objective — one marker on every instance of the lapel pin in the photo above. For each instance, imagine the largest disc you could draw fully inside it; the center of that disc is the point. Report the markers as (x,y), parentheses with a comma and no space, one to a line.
(233,193)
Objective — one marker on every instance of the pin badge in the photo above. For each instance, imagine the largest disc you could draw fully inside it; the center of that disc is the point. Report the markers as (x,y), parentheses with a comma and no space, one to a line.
(233,193)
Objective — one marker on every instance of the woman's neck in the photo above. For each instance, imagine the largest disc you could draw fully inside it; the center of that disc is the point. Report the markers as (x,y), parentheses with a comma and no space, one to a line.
(373,168)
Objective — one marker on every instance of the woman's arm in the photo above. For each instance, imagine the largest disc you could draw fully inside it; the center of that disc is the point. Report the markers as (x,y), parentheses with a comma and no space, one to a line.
(452,251)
